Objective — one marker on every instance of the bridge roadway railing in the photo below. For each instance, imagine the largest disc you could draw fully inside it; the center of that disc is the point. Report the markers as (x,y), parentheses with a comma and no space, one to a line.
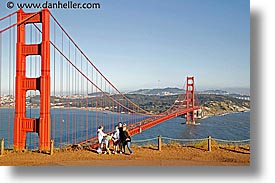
(138,127)
(143,125)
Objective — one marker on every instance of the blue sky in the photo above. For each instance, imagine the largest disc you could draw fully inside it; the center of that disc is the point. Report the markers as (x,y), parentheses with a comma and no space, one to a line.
(143,44)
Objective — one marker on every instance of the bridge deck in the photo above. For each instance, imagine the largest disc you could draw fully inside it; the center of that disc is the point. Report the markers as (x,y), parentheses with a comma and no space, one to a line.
(141,126)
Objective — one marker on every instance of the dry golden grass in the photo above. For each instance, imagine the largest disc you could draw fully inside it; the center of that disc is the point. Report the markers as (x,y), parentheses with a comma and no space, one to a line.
(171,154)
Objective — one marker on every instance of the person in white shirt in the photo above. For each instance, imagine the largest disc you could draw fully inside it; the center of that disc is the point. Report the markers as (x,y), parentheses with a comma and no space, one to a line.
(100,136)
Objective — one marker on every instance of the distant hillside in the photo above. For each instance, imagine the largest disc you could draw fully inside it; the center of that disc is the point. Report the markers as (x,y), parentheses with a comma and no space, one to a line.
(241,91)
(216,92)
(225,93)
(211,104)
(176,91)
(228,91)
(160,91)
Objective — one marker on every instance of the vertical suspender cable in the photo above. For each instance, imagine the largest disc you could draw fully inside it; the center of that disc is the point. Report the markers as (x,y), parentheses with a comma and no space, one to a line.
(68,100)
(0,79)
(87,103)
(101,104)
(9,80)
(84,122)
(106,105)
(54,83)
(61,91)
(110,114)
(73,100)
(75,93)
(92,105)
(96,102)
(78,122)
(13,67)
(87,100)
(105,118)
(74,97)
(129,117)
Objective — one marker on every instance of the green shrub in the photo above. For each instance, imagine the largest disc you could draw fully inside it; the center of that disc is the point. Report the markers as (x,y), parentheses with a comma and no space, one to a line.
(204,144)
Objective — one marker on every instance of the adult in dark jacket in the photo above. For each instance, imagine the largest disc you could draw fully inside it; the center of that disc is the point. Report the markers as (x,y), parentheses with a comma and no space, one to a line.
(126,141)
(121,136)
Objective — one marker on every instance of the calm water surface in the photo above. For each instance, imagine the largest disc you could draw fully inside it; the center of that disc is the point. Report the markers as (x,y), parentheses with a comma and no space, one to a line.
(234,126)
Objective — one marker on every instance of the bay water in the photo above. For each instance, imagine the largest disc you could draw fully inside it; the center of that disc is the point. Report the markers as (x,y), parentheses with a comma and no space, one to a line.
(232,127)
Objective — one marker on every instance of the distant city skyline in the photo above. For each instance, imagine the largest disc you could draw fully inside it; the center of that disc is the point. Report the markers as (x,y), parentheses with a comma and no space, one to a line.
(151,44)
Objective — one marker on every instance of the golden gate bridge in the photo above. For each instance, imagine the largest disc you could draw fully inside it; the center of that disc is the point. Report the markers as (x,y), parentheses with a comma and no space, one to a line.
(50,89)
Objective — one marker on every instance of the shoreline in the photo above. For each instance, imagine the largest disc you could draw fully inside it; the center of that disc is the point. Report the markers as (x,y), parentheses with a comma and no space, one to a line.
(225,113)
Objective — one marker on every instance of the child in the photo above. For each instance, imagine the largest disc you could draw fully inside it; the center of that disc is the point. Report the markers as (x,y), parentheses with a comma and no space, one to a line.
(105,141)
(116,139)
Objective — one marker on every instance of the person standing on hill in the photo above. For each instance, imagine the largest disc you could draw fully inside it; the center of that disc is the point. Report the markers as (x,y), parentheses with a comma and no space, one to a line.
(121,136)
(100,135)
(126,140)
(116,139)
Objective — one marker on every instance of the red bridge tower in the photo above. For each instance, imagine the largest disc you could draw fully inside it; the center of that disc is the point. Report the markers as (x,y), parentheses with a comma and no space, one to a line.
(190,100)
(22,124)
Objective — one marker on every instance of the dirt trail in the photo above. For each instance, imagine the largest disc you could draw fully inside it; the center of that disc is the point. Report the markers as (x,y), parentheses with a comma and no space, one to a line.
(143,156)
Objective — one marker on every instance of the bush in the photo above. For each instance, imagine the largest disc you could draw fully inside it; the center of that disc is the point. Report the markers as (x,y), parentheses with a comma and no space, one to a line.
(204,144)
(173,143)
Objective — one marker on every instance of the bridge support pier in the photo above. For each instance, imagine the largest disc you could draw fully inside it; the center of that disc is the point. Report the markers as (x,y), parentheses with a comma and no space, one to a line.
(190,122)
(190,118)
